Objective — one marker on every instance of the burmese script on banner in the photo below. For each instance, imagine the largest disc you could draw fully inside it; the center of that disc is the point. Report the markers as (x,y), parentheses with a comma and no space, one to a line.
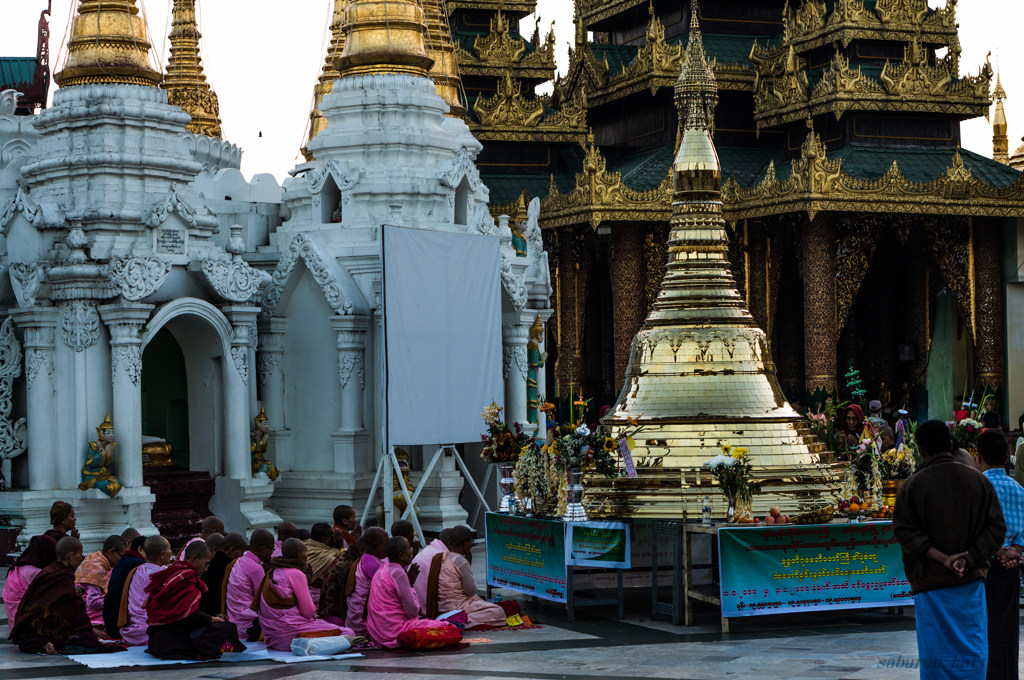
(526,555)
(773,570)
(597,544)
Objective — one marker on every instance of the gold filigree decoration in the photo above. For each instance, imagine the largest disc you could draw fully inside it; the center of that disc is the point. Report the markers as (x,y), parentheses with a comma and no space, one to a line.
(911,85)
(509,108)
(818,183)
(500,47)
(813,25)
(856,242)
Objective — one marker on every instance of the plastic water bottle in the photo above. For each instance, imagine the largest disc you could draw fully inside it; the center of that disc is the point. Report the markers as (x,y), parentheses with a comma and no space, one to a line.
(497,596)
(706,512)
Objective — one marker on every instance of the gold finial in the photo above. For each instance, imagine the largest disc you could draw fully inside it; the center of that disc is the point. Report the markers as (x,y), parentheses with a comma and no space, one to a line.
(108,45)
(185,80)
(441,49)
(1000,143)
(696,83)
(317,122)
(105,425)
(383,36)
(261,417)
(537,329)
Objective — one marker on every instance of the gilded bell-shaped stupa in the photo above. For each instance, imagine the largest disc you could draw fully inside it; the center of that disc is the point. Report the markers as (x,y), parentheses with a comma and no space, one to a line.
(383,37)
(108,45)
(700,373)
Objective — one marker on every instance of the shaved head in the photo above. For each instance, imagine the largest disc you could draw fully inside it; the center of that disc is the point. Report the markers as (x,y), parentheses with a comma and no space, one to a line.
(196,549)
(236,541)
(130,533)
(402,527)
(215,542)
(153,546)
(292,548)
(445,536)
(114,543)
(262,538)
(285,530)
(375,536)
(68,545)
(212,525)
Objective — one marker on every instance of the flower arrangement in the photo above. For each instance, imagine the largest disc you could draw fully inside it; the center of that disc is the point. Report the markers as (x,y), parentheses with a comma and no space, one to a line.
(579,448)
(967,432)
(732,470)
(538,480)
(898,463)
(823,423)
(501,443)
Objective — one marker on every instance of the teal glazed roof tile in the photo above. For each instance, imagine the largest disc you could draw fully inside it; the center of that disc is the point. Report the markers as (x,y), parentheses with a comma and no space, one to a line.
(16,72)
(728,48)
(507,188)
(618,55)
(746,165)
(645,170)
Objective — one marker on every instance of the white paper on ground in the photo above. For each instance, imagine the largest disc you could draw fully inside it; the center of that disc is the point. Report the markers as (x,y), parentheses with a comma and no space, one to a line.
(137,656)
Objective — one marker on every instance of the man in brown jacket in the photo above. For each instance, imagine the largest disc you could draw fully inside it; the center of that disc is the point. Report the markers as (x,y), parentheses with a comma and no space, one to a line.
(948,520)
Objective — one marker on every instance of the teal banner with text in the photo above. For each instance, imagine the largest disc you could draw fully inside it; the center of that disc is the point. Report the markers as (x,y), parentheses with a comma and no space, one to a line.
(527,555)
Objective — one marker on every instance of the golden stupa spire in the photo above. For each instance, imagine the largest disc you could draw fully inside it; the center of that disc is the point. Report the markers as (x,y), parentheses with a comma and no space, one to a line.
(185,81)
(1000,143)
(317,122)
(108,45)
(383,37)
(441,49)
(700,374)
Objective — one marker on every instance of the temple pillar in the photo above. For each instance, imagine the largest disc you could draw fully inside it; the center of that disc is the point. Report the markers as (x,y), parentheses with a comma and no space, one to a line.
(757,272)
(125,320)
(988,295)
(269,359)
(568,365)
(351,437)
(38,325)
(514,338)
(238,462)
(542,375)
(820,326)
(629,292)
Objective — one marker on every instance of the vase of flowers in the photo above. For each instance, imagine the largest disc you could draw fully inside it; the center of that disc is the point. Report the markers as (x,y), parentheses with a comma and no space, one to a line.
(579,450)
(732,471)
(506,482)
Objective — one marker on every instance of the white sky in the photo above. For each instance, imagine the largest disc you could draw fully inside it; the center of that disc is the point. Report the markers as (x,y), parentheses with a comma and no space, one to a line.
(263,58)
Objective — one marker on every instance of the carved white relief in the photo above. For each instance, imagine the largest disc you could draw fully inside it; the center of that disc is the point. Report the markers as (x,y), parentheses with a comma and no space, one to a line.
(316,259)
(316,178)
(79,324)
(9,102)
(240,356)
(173,203)
(350,362)
(21,202)
(12,434)
(514,285)
(462,166)
(515,354)
(538,270)
(127,358)
(37,360)
(138,277)
(482,222)
(26,279)
(267,363)
(234,281)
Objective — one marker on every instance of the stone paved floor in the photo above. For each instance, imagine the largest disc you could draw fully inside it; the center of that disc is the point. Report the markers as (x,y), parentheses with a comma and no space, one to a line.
(828,646)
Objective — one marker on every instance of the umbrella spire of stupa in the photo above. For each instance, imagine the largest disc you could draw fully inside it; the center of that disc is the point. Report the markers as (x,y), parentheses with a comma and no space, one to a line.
(108,45)
(185,80)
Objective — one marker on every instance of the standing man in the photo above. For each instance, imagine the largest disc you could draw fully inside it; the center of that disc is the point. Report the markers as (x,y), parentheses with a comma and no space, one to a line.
(946,549)
(1002,586)
(875,415)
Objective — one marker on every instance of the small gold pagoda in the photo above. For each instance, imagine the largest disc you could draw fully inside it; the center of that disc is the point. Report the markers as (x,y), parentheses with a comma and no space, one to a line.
(185,80)
(108,45)
(700,373)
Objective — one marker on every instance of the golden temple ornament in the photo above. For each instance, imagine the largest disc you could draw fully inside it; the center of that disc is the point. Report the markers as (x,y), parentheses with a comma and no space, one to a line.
(445,70)
(108,45)
(317,121)
(700,373)
(185,80)
(383,36)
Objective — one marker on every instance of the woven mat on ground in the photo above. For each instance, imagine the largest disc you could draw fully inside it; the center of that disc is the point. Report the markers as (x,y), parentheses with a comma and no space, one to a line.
(137,656)
(528,624)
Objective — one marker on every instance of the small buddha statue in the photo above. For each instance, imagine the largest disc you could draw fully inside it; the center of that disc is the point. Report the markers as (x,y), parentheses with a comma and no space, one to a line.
(99,460)
(258,449)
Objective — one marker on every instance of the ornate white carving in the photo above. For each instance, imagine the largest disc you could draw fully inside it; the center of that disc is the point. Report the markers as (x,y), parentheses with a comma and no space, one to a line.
(172,203)
(514,285)
(127,358)
(538,270)
(240,355)
(9,102)
(79,324)
(234,281)
(21,202)
(462,166)
(25,279)
(482,222)
(516,354)
(316,259)
(315,179)
(37,360)
(349,361)
(267,363)
(138,277)
(12,434)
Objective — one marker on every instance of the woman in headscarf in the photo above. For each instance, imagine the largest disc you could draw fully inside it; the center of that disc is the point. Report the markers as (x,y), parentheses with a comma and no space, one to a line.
(853,424)
(62,517)
(605,410)
(40,553)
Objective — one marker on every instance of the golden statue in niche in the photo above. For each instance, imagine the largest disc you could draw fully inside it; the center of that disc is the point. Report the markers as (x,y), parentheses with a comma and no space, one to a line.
(99,460)
(258,449)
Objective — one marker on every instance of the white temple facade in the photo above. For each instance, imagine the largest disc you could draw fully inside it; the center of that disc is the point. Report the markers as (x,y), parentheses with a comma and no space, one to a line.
(120,229)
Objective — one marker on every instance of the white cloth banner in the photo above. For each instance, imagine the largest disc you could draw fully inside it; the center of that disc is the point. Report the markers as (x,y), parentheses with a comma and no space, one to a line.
(442,320)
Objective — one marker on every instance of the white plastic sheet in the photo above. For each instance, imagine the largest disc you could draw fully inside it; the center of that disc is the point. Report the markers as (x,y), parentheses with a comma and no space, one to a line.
(442,307)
